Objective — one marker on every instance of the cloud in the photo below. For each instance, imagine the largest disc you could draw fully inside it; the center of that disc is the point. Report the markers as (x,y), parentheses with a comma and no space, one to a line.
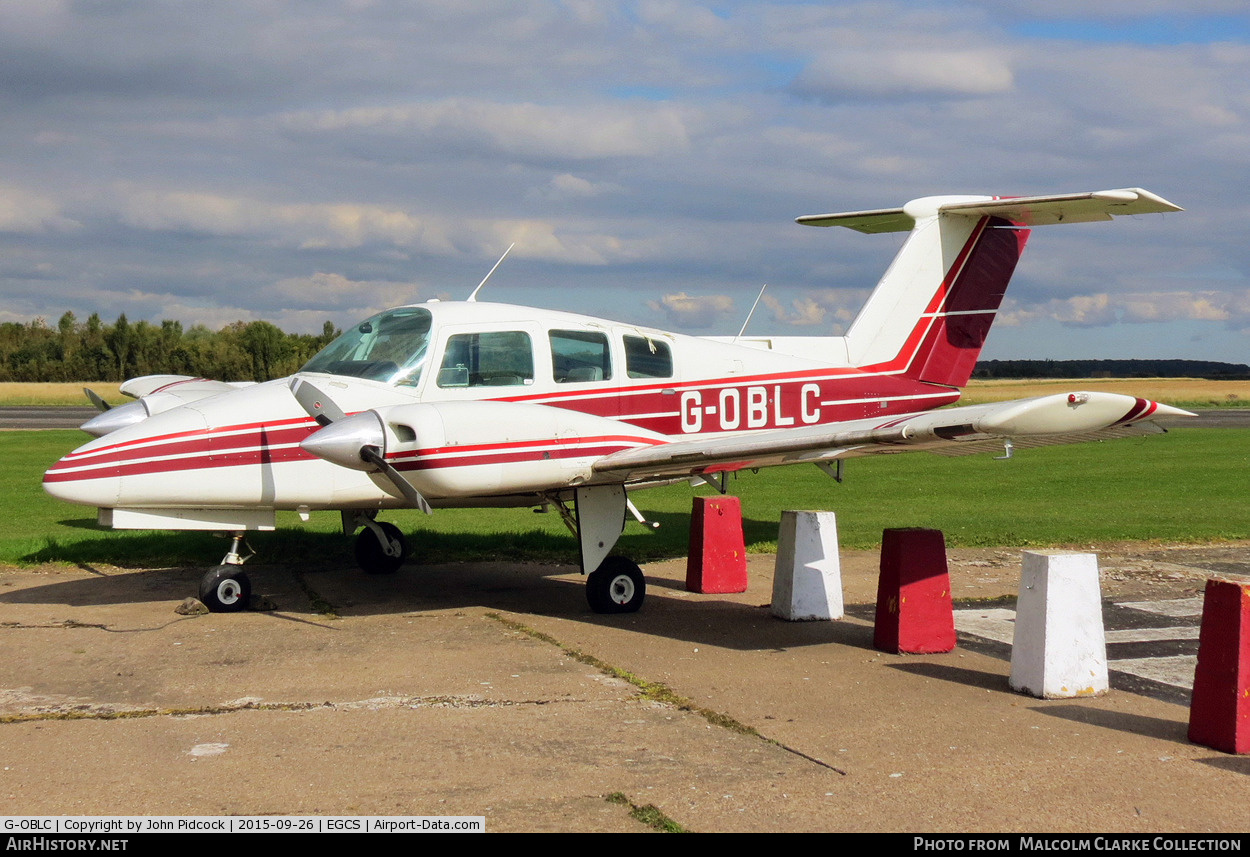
(569,186)
(693,312)
(843,74)
(523,130)
(324,292)
(647,158)
(1101,309)
(29,213)
(340,226)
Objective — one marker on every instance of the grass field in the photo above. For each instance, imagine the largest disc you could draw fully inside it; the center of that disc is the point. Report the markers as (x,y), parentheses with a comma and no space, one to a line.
(67,393)
(1187,486)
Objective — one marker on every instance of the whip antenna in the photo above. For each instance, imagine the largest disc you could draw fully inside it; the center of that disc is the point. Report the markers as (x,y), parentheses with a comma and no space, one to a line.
(752,312)
(473,296)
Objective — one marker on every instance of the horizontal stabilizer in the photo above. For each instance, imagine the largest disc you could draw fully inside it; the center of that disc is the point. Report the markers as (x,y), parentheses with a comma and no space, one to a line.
(1025,210)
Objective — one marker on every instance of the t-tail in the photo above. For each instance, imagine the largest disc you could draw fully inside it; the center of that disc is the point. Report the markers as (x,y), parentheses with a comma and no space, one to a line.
(929,316)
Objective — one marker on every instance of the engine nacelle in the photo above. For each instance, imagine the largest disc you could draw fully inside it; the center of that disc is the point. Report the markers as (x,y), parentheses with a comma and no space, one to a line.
(477,448)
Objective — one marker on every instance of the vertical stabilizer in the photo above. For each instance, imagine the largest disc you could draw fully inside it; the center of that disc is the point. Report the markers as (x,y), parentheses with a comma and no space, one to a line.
(928,317)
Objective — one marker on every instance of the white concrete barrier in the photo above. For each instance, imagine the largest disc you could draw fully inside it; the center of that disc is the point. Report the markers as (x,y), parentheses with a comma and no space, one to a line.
(807,582)
(1060,648)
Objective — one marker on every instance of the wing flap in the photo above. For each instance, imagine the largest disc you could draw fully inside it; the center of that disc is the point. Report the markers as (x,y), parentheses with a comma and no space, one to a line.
(1044,421)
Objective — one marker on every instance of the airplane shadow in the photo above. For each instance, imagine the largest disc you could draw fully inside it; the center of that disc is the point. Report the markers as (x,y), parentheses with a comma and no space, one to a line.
(540,590)
(143,548)
(530,572)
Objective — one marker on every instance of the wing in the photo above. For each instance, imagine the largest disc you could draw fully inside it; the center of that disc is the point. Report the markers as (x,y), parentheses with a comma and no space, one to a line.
(1043,421)
(186,385)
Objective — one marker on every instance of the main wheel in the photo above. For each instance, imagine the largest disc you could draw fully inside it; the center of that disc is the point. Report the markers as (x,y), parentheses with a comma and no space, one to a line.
(225,589)
(616,586)
(370,556)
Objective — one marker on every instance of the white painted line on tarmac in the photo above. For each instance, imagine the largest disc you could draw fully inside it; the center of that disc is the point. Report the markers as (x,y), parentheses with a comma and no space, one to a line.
(1177,671)
(998,623)
(1177,607)
(1142,635)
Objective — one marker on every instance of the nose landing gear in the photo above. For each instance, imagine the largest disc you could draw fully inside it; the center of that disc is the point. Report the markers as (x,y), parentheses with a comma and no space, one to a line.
(226,588)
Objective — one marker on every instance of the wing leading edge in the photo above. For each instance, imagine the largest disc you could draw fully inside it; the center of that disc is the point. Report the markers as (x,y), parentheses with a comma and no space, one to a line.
(1043,421)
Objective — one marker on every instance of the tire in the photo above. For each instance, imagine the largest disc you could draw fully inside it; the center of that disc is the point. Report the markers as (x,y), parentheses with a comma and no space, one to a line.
(617,586)
(225,589)
(370,556)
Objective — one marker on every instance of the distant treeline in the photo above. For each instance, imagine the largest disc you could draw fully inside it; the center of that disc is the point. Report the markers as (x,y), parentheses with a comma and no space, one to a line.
(1110,369)
(95,351)
(92,350)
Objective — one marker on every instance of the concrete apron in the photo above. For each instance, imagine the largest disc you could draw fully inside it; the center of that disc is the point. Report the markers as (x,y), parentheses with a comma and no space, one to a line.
(458,690)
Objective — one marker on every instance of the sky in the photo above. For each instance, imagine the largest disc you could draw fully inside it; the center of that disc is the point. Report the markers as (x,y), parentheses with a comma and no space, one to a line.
(322,160)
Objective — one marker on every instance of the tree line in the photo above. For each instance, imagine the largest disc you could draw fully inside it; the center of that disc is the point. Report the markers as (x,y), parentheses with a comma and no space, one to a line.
(1167,368)
(92,350)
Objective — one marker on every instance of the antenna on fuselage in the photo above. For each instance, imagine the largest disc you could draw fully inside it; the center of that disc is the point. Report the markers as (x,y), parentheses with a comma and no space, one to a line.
(751,313)
(473,297)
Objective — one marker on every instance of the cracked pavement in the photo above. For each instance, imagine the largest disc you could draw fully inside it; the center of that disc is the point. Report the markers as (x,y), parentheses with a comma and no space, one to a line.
(416,699)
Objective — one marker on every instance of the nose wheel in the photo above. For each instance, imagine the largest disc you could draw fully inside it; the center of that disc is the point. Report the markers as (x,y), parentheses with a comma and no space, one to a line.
(226,589)
(616,586)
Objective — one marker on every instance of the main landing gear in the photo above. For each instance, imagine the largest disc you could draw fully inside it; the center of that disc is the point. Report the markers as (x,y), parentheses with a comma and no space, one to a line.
(616,586)
(381,547)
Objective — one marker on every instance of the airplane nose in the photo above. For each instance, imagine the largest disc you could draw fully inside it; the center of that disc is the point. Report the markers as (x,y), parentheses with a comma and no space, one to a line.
(115,418)
(341,441)
(67,480)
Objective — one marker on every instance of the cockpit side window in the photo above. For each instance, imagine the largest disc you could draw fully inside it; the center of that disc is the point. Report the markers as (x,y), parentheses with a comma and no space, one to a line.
(647,358)
(491,359)
(580,355)
(388,347)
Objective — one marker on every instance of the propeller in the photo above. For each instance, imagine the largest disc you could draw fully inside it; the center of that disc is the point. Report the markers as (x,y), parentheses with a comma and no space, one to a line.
(374,456)
(315,403)
(354,441)
(110,418)
(96,399)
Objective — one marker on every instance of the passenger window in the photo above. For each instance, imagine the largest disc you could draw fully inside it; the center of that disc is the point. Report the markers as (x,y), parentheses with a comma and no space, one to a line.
(580,355)
(647,358)
(495,359)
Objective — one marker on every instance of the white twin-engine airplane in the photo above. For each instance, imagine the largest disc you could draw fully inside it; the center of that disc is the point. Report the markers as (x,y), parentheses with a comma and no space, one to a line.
(479,404)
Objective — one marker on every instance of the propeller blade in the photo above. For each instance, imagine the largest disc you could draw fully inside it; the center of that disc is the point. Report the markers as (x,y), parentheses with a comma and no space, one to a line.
(315,403)
(96,399)
(374,456)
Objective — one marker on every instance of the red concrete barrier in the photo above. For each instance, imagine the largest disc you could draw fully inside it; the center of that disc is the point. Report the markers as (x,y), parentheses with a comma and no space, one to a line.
(914,610)
(718,556)
(1219,711)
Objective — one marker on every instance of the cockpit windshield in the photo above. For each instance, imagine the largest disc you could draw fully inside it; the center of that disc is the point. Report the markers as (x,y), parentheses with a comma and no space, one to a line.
(390,347)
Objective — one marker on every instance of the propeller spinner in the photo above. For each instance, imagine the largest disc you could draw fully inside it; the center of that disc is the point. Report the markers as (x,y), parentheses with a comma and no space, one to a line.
(357,441)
